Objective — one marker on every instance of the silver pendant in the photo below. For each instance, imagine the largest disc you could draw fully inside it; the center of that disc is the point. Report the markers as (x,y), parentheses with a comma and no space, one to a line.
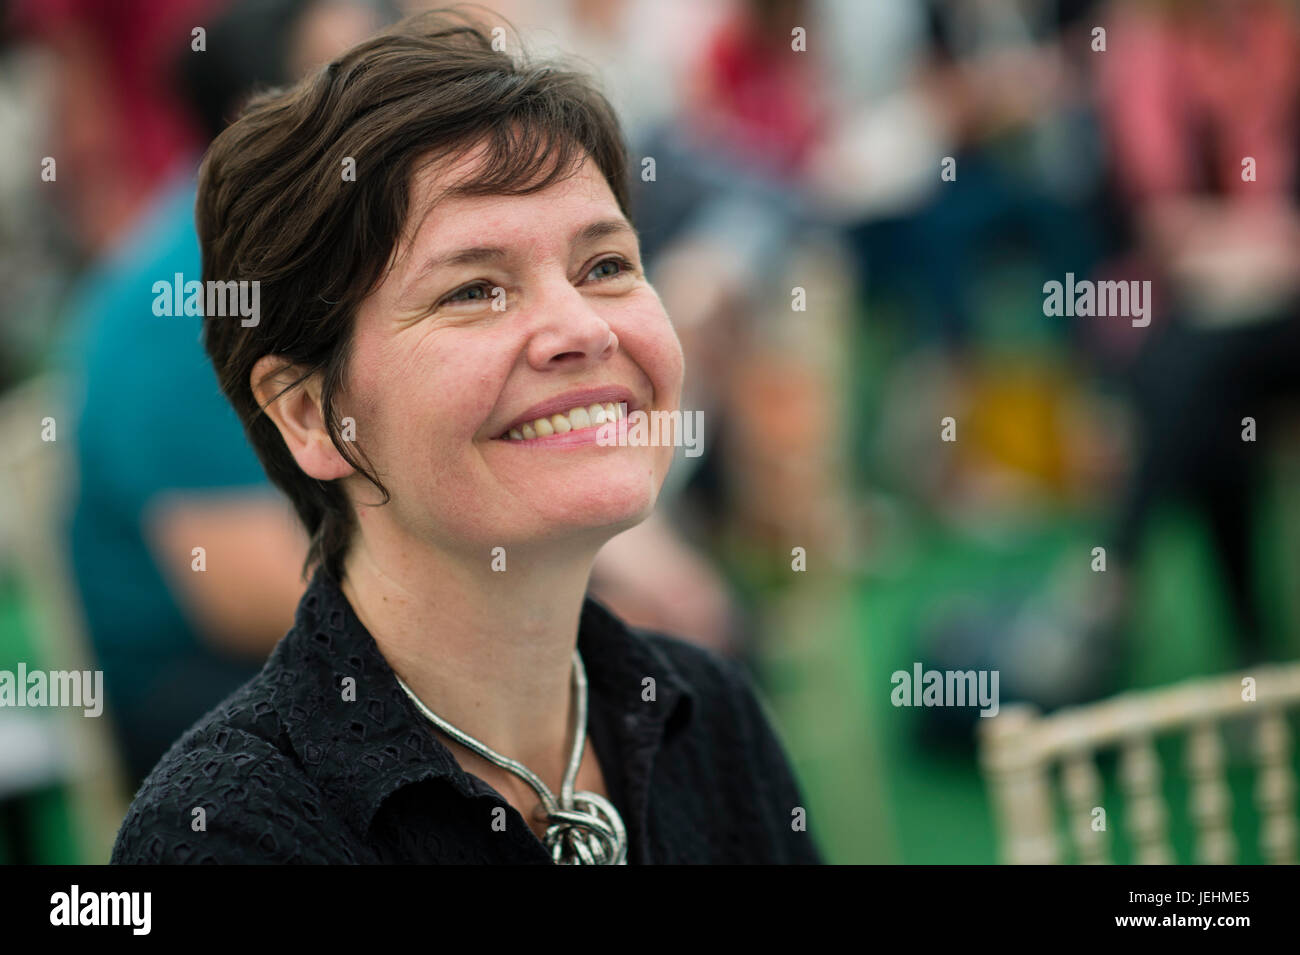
(590,834)
(583,828)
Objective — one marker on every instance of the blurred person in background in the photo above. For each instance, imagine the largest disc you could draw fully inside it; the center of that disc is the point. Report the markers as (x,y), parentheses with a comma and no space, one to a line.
(963,164)
(163,464)
(119,127)
(107,133)
(1201,101)
(984,138)
(727,233)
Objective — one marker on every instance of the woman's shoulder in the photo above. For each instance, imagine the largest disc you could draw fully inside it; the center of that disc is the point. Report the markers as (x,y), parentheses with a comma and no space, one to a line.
(720,685)
(683,656)
(231,789)
(704,668)
(733,731)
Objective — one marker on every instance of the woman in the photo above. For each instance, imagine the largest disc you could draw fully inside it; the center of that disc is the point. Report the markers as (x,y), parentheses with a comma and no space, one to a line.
(451,310)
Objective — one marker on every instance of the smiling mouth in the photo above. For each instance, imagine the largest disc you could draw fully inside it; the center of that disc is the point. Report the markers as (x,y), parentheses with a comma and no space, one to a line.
(575,419)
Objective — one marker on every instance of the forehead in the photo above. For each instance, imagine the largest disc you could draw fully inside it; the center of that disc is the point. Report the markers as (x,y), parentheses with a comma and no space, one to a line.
(438,217)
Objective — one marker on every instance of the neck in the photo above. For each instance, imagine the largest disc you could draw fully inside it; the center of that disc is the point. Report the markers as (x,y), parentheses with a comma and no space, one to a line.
(489,651)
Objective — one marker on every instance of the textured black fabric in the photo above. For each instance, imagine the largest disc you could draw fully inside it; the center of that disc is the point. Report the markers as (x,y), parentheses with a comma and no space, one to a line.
(287,770)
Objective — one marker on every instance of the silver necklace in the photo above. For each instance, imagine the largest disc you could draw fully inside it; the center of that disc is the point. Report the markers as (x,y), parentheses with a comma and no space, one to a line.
(583,828)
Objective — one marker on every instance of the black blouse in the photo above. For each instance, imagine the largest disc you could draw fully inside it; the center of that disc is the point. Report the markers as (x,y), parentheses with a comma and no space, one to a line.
(300,766)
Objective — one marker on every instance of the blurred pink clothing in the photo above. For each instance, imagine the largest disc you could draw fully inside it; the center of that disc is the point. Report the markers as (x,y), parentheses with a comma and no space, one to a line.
(1188,95)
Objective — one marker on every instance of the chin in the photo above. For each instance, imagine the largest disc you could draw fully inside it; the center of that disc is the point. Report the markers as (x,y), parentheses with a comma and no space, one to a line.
(604,515)
(616,516)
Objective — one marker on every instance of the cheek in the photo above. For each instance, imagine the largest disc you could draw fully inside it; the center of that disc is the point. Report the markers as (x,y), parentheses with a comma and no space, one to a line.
(650,340)
(438,388)
(408,405)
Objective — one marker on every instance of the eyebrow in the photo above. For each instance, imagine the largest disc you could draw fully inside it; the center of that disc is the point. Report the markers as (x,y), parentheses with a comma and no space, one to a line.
(487,254)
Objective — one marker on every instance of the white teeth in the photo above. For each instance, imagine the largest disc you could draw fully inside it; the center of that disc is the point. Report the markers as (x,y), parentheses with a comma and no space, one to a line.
(583,416)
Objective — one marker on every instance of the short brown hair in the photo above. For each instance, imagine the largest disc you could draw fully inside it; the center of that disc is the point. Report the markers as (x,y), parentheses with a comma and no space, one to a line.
(274,207)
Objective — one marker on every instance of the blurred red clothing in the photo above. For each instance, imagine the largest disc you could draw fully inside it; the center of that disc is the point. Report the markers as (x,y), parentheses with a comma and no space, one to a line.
(761,99)
(118,124)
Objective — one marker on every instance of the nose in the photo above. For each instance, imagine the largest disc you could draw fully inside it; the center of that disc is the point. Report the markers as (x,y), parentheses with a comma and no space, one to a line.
(569,333)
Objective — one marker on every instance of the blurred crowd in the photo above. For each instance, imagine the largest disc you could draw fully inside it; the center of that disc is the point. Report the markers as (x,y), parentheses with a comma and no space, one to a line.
(917,169)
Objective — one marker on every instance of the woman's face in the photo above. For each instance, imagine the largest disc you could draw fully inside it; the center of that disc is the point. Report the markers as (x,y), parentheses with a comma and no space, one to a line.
(498,311)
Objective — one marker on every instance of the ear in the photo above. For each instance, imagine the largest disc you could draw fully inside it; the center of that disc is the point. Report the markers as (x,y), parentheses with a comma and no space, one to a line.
(297,414)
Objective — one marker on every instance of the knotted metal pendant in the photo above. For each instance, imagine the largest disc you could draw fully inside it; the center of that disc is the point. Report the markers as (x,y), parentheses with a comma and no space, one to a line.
(589,834)
(583,828)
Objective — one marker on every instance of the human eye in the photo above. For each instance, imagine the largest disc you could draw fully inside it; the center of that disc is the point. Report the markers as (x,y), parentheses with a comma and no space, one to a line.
(460,295)
(623,267)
